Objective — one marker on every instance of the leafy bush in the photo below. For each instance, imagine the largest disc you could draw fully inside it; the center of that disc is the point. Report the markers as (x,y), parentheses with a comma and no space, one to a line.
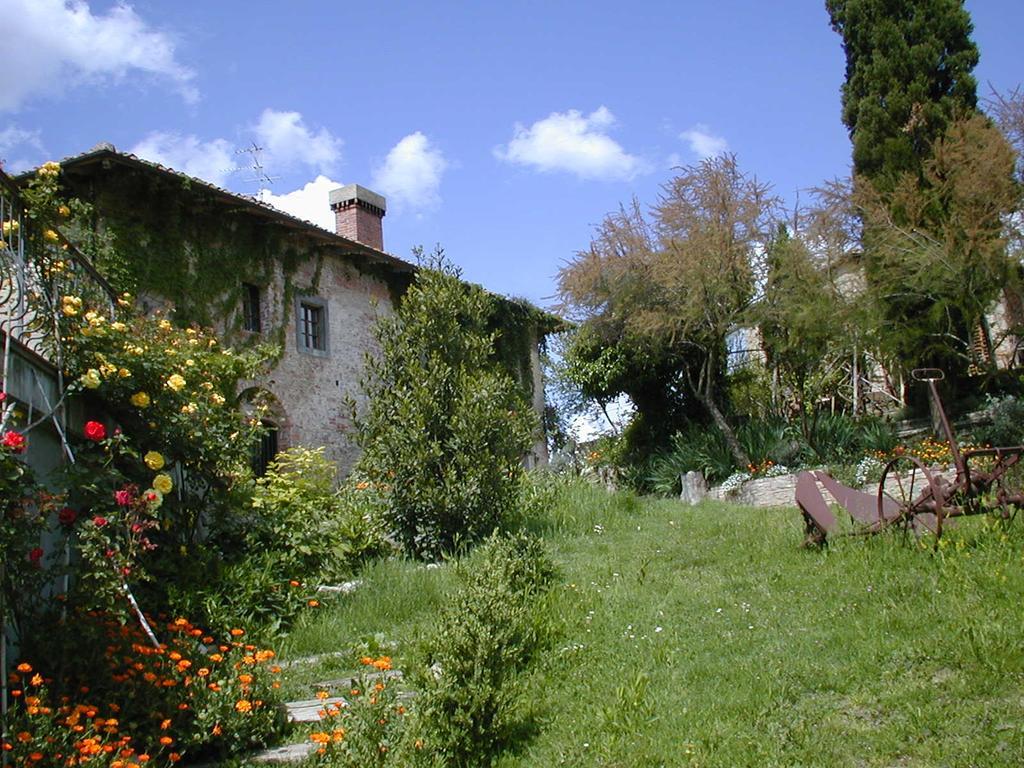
(307,523)
(485,637)
(1007,422)
(301,531)
(447,426)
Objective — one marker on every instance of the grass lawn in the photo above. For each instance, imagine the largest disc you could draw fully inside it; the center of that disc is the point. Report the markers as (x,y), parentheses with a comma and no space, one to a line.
(706,636)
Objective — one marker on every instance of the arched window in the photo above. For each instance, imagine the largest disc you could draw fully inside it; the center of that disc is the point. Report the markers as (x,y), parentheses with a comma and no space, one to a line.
(266,449)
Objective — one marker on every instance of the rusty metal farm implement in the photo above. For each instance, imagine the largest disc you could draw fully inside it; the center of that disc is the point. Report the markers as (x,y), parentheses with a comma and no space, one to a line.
(913,495)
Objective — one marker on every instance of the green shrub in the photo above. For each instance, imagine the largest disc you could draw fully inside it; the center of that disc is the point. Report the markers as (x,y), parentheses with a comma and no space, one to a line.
(487,635)
(446,426)
(301,531)
(1007,422)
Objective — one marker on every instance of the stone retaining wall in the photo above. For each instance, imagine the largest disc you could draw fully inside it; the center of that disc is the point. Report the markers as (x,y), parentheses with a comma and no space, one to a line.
(781,491)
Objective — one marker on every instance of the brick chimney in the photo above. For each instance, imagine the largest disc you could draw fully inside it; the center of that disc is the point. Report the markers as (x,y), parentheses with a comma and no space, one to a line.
(358,213)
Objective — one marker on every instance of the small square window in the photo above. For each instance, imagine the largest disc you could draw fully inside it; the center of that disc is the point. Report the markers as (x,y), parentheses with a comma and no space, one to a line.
(311,325)
(251,309)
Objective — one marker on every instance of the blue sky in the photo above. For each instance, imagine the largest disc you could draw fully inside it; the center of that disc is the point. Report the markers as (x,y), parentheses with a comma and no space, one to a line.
(504,131)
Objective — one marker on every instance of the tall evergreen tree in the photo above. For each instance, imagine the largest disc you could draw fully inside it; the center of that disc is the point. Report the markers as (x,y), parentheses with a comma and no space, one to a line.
(908,73)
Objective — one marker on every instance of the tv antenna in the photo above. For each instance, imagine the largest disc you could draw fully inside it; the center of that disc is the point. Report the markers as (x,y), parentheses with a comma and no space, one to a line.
(255,167)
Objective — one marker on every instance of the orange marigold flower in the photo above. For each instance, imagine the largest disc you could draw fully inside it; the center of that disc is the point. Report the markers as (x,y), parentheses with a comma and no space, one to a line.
(202,671)
(243,705)
(216,657)
(24,737)
(174,757)
(313,603)
(165,724)
(237,632)
(35,757)
(246,679)
(322,695)
(166,740)
(37,679)
(24,667)
(383,663)
(217,730)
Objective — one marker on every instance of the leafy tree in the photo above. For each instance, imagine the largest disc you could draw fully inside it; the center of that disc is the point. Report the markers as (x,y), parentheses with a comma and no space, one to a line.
(800,316)
(938,255)
(908,73)
(660,298)
(446,427)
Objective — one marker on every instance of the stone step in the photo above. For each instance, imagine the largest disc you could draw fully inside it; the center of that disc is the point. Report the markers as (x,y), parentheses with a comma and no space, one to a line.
(308,710)
(289,753)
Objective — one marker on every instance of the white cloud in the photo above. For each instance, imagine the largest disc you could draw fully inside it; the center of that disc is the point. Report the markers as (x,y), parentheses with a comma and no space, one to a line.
(20,149)
(285,142)
(703,143)
(309,202)
(212,161)
(289,143)
(411,174)
(51,44)
(570,141)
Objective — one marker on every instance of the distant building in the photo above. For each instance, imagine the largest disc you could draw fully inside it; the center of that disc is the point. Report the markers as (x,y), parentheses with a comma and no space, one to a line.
(255,273)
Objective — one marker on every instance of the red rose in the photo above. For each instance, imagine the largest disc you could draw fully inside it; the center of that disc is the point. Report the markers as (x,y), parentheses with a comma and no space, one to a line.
(67,516)
(35,555)
(14,441)
(124,497)
(99,522)
(95,431)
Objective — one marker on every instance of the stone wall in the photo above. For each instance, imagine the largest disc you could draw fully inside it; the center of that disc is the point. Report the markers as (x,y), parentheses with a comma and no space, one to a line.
(781,491)
(762,492)
(313,390)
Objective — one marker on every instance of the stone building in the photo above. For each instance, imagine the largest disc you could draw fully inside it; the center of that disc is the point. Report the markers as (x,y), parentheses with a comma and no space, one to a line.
(257,274)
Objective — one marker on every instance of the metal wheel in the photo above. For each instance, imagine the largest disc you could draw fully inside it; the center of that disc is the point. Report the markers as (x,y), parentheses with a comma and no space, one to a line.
(910,495)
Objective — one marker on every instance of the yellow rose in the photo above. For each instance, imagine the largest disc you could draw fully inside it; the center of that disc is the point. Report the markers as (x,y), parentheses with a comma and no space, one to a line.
(163,483)
(189,408)
(91,378)
(118,326)
(164,325)
(154,460)
(124,373)
(50,236)
(49,169)
(70,305)
(176,382)
(107,369)
(140,400)
(63,211)
(10,227)
(217,399)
